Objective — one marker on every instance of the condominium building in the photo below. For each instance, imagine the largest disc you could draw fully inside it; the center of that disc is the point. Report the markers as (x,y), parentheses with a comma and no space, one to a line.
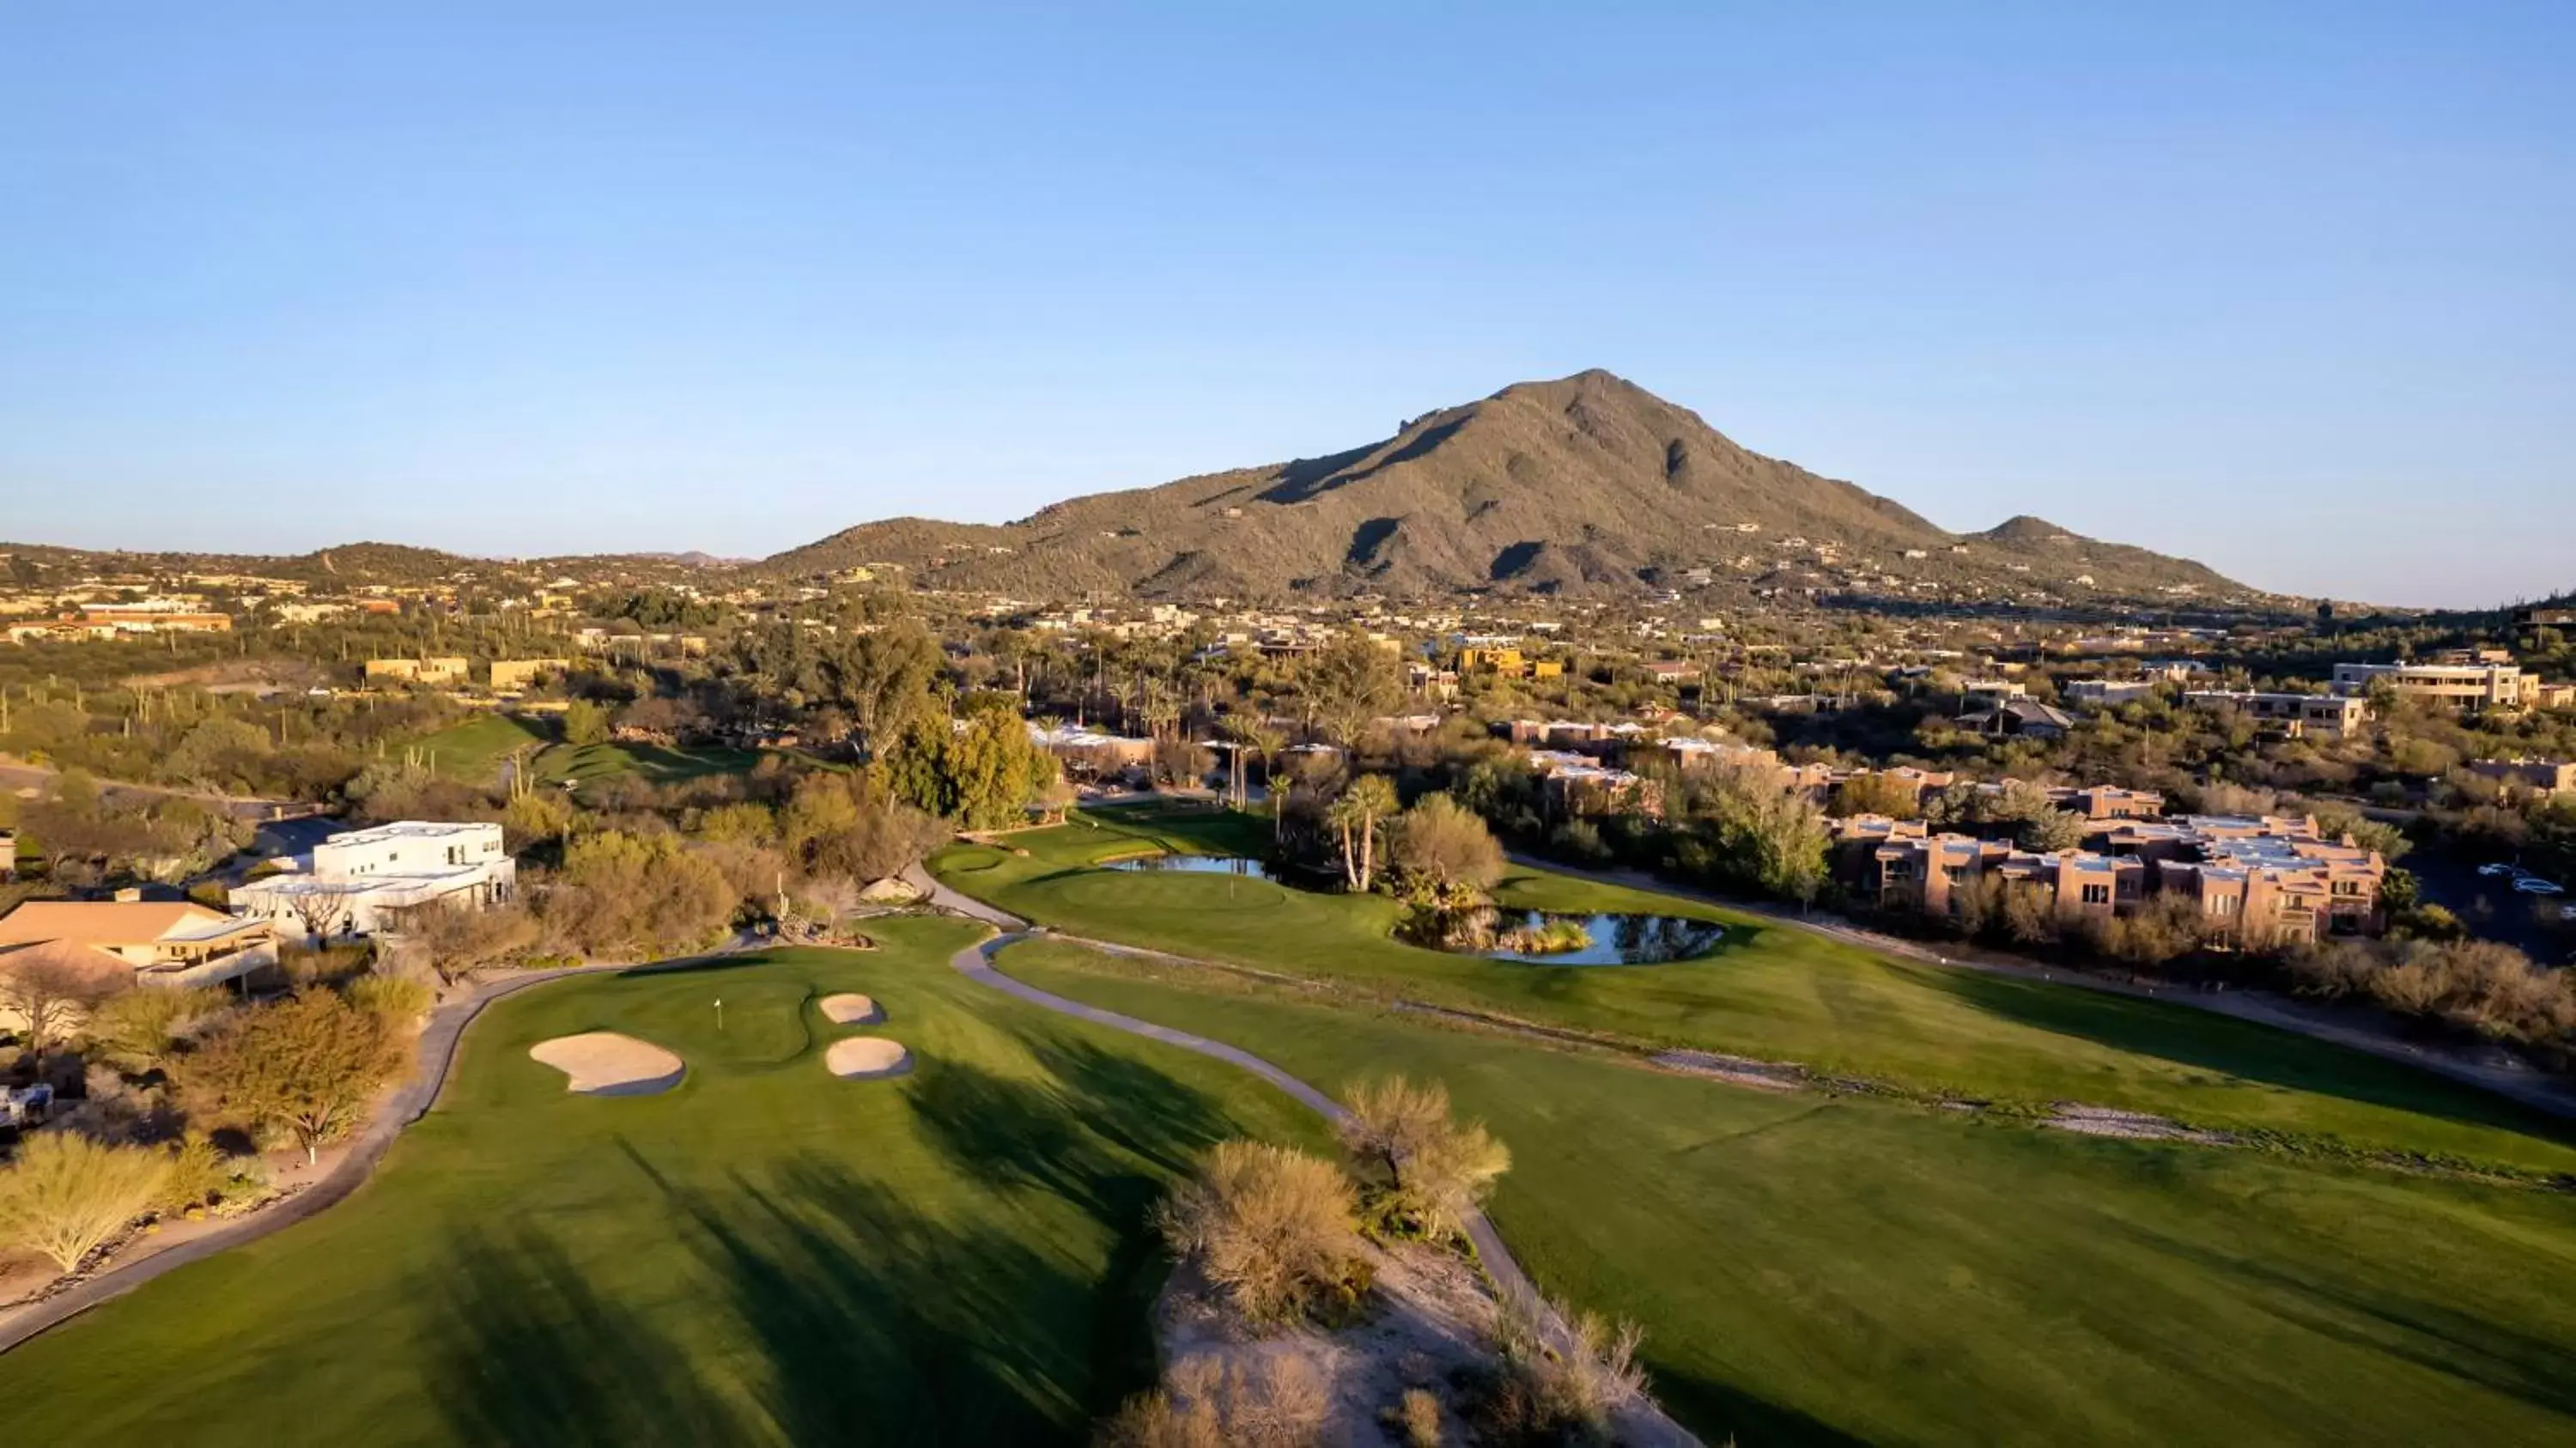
(2260,882)
(360,882)
(2457,686)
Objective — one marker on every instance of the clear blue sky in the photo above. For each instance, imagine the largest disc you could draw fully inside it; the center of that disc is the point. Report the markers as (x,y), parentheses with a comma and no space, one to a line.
(2289,288)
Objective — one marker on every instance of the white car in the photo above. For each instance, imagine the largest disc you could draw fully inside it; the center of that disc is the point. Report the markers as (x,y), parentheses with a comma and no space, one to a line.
(2498,868)
(2534,885)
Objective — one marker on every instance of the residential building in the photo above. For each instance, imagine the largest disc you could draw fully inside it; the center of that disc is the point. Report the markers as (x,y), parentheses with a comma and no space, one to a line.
(511,676)
(360,882)
(2019,716)
(2457,686)
(2105,693)
(438,672)
(132,941)
(2327,716)
(2545,616)
(1670,671)
(2529,776)
(1089,753)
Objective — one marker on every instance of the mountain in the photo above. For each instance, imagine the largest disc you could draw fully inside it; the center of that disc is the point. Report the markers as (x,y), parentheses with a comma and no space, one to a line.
(1587,484)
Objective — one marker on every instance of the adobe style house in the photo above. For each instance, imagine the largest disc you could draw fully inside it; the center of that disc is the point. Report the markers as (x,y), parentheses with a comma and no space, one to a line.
(138,942)
(1088,754)
(358,883)
(436,671)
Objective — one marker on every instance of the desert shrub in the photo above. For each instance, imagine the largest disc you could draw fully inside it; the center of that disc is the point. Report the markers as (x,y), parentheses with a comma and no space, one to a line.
(199,1172)
(1270,1228)
(305,1067)
(1417,1419)
(66,1194)
(1558,1375)
(1420,1171)
(1448,845)
(1273,1401)
(455,940)
(138,1029)
(399,999)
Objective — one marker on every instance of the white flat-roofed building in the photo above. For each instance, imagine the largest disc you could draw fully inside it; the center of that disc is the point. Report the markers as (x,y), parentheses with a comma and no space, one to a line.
(358,883)
(2472,685)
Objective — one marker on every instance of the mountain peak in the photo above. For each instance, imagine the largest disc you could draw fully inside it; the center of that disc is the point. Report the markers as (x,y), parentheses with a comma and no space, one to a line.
(1583,483)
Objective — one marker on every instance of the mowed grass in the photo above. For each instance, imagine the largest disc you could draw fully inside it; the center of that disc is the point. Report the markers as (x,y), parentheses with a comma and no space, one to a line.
(1771,991)
(590,764)
(1815,1269)
(473,749)
(766,1254)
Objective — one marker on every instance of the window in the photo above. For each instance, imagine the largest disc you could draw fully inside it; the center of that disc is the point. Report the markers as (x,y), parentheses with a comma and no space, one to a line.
(2097,894)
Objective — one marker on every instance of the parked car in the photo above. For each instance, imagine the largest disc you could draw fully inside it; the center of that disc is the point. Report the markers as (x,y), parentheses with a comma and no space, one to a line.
(2534,885)
(2498,868)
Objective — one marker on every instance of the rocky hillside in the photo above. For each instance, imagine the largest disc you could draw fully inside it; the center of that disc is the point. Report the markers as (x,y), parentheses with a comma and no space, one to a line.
(1586,484)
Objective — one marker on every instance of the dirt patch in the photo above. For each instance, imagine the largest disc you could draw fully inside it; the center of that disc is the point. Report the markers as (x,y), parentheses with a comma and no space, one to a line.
(2129,1125)
(867,1058)
(1429,1331)
(604,1063)
(851,1009)
(1734,1070)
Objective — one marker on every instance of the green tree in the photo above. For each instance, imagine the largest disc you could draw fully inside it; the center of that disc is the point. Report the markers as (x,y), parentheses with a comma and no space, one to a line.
(1442,842)
(1349,682)
(584,723)
(306,1066)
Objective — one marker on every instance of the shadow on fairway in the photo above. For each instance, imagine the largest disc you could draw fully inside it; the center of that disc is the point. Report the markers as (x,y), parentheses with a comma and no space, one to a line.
(524,1352)
(2247,1050)
(1719,1413)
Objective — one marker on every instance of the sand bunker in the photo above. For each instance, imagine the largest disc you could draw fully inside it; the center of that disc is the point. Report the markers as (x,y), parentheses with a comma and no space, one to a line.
(867,1058)
(851,1010)
(604,1063)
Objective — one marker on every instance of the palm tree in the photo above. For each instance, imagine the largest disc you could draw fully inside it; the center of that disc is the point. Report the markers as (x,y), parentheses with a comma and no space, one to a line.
(1356,814)
(1256,734)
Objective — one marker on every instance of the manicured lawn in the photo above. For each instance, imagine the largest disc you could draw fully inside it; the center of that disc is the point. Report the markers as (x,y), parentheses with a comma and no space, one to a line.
(764,1255)
(1815,1269)
(474,749)
(591,764)
(1771,991)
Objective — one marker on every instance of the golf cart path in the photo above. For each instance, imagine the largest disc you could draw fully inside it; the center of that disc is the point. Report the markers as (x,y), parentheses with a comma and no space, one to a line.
(2523,1085)
(975,962)
(436,1056)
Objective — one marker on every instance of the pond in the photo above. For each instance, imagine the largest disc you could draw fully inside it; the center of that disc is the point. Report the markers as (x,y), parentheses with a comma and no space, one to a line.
(1542,937)
(1194,865)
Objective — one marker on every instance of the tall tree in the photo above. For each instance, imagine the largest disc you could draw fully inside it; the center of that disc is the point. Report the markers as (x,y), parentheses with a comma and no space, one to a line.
(1349,682)
(1356,815)
(883,678)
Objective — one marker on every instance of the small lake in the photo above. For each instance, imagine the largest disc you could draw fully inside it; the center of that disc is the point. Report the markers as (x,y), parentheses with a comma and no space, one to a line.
(1194,865)
(1542,937)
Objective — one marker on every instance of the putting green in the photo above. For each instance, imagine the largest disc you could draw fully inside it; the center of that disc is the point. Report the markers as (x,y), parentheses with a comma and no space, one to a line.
(764,1254)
